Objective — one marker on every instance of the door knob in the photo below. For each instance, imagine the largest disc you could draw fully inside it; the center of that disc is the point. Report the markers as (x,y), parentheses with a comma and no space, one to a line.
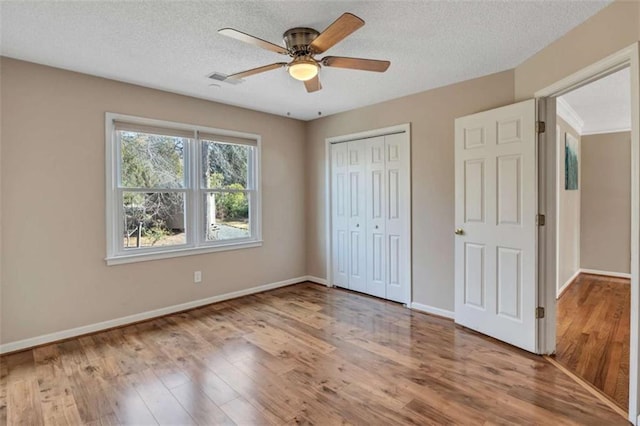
(459,231)
(357,225)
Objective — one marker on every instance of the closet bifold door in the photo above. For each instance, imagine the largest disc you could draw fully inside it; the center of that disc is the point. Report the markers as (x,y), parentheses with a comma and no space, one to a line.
(375,216)
(357,217)
(370,228)
(397,165)
(340,214)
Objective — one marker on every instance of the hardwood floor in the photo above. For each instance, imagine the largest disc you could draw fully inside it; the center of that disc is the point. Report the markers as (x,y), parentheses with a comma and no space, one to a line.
(302,354)
(593,333)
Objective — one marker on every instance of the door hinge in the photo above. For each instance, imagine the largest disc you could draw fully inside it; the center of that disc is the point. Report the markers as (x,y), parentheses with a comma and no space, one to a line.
(539,312)
(540,220)
(541,126)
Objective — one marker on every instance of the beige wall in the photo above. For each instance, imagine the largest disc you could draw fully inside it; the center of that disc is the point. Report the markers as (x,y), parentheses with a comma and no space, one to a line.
(617,26)
(54,275)
(568,212)
(1,239)
(431,115)
(606,202)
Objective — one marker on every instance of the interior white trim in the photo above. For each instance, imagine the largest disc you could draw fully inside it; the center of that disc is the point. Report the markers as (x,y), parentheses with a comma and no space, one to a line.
(605,273)
(406,127)
(609,65)
(104,325)
(370,133)
(142,257)
(592,272)
(602,132)
(327,212)
(433,310)
(317,280)
(568,114)
(634,376)
(567,283)
(547,205)
(627,57)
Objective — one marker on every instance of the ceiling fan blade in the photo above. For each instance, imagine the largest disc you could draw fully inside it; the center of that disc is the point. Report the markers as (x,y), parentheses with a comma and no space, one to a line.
(355,63)
(258,70)
(313,85)
(336,32)
(247,38)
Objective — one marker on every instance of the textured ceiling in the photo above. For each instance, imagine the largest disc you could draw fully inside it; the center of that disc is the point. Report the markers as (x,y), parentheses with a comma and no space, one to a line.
(173,45)
(605,104)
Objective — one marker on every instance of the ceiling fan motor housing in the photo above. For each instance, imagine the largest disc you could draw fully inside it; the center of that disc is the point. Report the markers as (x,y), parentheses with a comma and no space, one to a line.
(298,40)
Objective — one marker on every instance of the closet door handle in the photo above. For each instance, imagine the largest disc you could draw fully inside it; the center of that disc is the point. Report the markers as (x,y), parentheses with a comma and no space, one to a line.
(376,226)
(357,225)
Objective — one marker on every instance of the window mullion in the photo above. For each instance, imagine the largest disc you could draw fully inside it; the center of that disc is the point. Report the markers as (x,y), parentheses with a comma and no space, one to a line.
(250,170)
(114,196)
(149,190)
(253,205)
(256,194)
(195,227)
(227,190)
(119,221)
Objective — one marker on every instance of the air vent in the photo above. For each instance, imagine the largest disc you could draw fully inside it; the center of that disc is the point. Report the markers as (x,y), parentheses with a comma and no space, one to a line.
(218,76)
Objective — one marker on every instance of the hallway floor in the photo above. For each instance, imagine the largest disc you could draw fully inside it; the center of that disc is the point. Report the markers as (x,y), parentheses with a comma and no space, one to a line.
(593,333)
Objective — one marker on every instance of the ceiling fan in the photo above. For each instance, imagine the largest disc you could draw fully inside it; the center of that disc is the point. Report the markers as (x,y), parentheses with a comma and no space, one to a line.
(302,44)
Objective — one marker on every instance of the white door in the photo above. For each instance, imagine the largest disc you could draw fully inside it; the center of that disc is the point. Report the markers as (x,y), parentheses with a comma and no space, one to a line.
(397,226)
(340,214)
(357,218)
(375,211)
(495,219)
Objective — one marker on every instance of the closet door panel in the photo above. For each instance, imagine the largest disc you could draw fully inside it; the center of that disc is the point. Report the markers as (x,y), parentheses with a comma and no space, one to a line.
(397,234)
(357,217)
(375,217)
(340,215)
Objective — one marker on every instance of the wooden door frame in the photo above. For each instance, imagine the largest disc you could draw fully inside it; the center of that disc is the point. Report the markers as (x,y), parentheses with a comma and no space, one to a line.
(400,128)
(547,182)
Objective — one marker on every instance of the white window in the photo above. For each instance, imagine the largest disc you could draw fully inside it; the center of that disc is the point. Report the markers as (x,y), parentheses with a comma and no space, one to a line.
(176,189)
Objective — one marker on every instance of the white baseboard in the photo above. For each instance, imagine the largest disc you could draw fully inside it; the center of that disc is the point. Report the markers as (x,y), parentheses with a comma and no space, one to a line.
(566,284)
(92,328)
(593,272)
(433,310)
(316,280)
(606,273)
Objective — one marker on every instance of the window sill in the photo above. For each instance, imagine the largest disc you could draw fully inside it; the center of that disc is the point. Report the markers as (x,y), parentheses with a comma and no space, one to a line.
(143,257)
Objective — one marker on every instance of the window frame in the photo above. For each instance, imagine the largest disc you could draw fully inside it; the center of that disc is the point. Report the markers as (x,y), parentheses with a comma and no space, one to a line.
(194,198)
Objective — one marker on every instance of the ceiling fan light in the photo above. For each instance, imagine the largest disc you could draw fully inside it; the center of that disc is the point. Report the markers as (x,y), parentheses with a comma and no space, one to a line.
(303,70)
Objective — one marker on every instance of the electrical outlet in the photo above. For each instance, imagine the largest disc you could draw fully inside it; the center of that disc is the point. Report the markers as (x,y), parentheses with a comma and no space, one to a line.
(197,276)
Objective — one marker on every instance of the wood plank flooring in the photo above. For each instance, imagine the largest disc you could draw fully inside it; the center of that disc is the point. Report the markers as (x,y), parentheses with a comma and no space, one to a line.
(303,354)
(593,333)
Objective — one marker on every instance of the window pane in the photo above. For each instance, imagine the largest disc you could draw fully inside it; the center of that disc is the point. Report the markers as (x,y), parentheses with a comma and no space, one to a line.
(225,165)
(153,219)
(151,161)
(227,216)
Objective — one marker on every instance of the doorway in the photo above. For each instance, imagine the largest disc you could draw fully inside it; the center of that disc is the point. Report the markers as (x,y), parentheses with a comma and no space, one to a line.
(593,227)
(547,200)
